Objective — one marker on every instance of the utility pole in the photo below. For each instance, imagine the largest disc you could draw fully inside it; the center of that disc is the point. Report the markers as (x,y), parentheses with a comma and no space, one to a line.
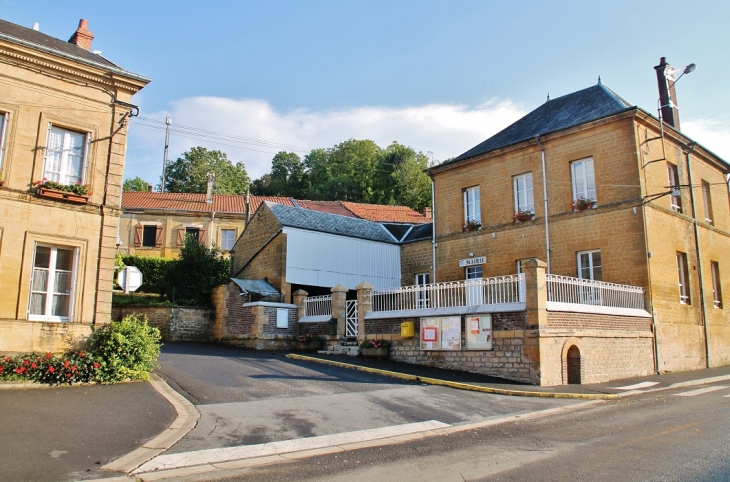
(168,121)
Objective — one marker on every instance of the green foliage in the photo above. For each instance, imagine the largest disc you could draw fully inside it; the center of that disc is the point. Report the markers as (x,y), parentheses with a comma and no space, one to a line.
(78,188)
(401,179)
(262,186)
(119,351)
(288,177)
(188,173)
(119,299)
(137,184)
(126,349)
(375,343)
(153,272)
(195,273)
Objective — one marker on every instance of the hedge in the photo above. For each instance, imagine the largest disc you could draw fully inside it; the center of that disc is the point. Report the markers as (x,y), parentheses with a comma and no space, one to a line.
(153,272)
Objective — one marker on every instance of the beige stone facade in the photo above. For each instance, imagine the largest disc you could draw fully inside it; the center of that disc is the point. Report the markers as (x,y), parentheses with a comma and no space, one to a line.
(632,224)
(56,94)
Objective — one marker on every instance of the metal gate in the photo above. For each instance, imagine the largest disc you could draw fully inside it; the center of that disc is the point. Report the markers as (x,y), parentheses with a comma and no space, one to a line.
(351,318)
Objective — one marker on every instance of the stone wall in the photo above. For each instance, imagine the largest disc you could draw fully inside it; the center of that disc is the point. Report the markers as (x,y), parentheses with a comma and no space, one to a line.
(254,326)
(175,323)
(415,258)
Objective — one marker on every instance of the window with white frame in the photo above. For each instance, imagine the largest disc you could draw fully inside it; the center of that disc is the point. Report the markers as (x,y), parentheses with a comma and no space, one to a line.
(584,179)
(422,294)
(708,202)
(589,265)
(474,272)
(683,275)
(66,154)
(228,239)
(471,205)
(523,196)
(521,265)
(673,177)
(52,284)
(716,291)
(3,133)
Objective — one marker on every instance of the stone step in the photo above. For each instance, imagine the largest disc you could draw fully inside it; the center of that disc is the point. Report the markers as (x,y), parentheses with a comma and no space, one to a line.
(341,350)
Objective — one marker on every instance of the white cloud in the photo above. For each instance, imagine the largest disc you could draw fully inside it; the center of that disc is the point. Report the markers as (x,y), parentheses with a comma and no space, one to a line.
(712,134)
(444,129)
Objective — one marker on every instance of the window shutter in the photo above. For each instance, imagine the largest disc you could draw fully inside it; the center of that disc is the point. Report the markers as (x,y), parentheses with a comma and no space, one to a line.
(158,237)
(138,230)
(201,236)
(181,236)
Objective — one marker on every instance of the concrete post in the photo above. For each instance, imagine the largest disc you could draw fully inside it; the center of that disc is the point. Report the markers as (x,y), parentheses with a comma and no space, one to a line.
(259,321)
(298,297)
(339,296)
(364,306)
(536,304)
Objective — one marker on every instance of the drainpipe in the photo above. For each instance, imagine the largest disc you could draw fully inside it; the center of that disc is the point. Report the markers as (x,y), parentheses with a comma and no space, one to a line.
(688,153)
(433,227)
(210,234)
(545,202)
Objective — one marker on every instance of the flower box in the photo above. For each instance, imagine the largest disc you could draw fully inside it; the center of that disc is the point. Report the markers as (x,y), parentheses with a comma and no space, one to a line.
(57,194)
(375,353)
(470,226)
(582,203)
(522,216)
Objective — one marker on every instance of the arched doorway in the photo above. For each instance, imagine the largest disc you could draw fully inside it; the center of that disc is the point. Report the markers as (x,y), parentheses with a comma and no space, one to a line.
(573,362)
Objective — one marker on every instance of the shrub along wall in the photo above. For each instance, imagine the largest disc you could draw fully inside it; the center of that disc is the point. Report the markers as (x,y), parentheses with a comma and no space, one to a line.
(174,322)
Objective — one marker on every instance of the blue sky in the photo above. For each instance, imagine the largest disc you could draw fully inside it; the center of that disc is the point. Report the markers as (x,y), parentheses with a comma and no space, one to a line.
(440,76)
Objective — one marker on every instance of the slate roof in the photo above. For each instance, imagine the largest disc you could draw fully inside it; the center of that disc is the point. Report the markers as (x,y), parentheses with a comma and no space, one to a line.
(330,223)
(419,233)
(38,38)
(255,286)
(174,201)
(556,114)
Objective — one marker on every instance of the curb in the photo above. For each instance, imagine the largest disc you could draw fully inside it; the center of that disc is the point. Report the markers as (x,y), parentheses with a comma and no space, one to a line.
(187,418)
(459,385)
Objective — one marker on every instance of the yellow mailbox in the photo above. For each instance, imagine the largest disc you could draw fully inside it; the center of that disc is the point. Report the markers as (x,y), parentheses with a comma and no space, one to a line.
(406,329)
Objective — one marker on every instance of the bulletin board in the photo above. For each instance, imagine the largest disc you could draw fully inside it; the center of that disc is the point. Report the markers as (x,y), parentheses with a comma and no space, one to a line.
(479,332)
(441,333)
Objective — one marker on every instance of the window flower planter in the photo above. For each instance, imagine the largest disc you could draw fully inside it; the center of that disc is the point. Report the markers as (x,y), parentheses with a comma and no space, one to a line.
(63,195)
(522,216)
(469,226)
(582,203)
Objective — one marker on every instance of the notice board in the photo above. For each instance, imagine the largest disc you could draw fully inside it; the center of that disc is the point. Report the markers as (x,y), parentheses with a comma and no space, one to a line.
(479,332)
(441,333)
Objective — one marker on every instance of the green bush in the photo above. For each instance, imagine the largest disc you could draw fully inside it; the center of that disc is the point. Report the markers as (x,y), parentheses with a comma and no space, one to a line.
(125,349)
(192,277)
(153,272)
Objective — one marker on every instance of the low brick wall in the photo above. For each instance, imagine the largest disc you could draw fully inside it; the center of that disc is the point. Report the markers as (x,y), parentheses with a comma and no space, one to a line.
(175,323)
(253,325)
(314,328)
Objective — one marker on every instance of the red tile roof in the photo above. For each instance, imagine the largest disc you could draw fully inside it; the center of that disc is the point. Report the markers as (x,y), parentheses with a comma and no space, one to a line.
(168,201)
(386,214)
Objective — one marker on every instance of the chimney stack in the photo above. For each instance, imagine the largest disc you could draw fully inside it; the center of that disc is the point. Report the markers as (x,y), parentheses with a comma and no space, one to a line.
(667,94)
(209,194)
(82,37)
(149,187)
(427,212)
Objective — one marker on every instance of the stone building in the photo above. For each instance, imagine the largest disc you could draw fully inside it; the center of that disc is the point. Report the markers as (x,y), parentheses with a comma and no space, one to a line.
(64,112)
(600,190)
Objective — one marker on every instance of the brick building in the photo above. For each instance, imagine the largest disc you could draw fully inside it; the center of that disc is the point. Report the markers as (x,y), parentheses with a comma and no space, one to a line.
(603,190)
(64,113)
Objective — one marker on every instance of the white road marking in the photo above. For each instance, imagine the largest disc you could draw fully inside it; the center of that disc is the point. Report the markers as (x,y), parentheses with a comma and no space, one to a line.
(700,391)
(217,455)
(636,386)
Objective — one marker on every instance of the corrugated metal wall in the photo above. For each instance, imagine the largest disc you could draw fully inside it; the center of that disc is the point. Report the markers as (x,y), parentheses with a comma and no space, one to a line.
(321,259)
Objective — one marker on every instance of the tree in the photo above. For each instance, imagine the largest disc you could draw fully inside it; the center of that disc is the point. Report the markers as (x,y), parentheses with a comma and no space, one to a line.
(401,179)
(192,277)
(188,173)
(345,172)
(136,184)
(262,186)
(288,177)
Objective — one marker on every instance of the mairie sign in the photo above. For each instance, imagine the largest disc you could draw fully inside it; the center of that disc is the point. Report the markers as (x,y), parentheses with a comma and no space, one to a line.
(472,261)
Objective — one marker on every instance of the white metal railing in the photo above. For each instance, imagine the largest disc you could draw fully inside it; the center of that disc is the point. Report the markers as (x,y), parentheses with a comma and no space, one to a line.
(564,289)
(482,291)
(318,305)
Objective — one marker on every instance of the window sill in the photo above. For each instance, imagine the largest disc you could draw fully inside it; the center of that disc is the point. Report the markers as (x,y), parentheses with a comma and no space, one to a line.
(61,195)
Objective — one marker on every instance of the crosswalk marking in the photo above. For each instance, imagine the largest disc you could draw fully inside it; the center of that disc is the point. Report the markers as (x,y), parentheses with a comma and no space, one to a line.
(700,391)
(636,386)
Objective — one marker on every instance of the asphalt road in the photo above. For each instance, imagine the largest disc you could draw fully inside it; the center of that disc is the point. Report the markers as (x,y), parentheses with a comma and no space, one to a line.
(247,397)
(672,435)
(69,433)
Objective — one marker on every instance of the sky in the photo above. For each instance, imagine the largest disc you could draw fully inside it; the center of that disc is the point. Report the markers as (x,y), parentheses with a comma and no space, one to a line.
(253,78)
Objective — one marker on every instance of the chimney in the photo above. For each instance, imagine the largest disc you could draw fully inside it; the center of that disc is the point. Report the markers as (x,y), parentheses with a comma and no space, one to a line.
(82,37)
(667,94)
(427,212)
(209,194)
(149,187)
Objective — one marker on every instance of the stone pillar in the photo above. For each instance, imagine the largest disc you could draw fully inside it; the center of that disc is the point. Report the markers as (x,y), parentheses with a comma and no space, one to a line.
(298,297)
(364,305)
(339,296)
(535,293)
(219,298)
(259,321)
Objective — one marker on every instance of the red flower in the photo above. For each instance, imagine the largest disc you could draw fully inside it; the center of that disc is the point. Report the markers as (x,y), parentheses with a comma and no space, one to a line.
(33,365)
(65,364)
(19,370)
(1,368)
(49,355)
(7,358)
(82,354)
(51,370)
(96,365)
(68,375)
(25,363)
(73,368)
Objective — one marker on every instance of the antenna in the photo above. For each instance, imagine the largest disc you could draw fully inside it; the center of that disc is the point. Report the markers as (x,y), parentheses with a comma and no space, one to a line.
(168,121)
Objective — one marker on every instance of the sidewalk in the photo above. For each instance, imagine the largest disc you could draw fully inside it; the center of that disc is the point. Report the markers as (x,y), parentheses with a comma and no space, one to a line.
(486,383)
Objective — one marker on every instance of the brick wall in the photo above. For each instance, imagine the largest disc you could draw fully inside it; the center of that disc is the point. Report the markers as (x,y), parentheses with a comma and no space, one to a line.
(241,323)
(175,323)
(261,228)
(415,258)
(590,321)
(322,329)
